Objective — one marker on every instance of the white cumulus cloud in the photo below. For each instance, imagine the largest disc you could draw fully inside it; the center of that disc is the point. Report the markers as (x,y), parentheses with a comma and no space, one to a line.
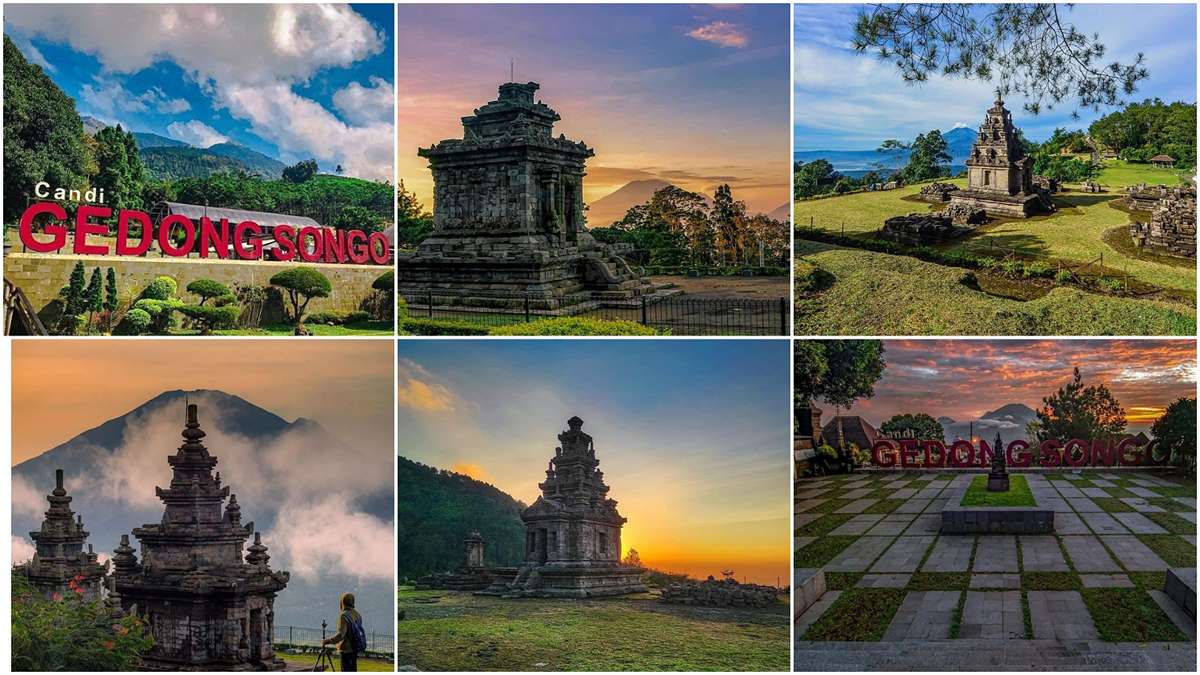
(195,133)
(366,105)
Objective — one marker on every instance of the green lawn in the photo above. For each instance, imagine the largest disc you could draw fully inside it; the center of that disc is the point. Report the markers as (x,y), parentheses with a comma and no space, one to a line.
(464,632)
(858,615)
(880,294)
(1018,493)
(319,329)
(1129,615)
(1076,232)
(306,662)
(1117,172)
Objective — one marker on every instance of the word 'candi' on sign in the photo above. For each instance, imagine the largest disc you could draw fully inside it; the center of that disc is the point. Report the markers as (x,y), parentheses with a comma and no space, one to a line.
(928,454)
(177,236)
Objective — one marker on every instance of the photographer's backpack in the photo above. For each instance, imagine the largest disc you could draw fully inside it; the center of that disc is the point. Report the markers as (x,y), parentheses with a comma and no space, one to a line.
(358,636)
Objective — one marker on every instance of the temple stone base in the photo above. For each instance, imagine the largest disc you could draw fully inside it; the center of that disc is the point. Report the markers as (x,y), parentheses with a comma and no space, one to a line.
(1000,205)
(958,519)
(573,581)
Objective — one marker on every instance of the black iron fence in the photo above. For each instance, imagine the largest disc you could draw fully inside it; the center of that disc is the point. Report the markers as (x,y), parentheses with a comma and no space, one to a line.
(678,315)
(299,636)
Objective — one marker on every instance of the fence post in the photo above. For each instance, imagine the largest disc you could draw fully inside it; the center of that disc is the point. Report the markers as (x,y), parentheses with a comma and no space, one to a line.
(429,304)
(290,640)
(526,308)
(783,316)
(644,311)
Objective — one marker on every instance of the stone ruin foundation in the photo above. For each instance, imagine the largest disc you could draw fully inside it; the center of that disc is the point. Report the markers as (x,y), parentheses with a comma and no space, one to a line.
(472,575)
(938,192)
(207,608)
(921,228)
(1172,226)
(572,531)
(719,593)
(1144,197)
(508,220)
(60,567)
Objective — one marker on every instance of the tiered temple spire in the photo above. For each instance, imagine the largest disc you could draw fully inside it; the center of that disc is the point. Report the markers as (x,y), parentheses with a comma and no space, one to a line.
(60,565)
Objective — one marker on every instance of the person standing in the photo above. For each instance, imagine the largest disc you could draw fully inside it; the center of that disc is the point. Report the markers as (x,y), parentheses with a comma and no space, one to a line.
(350,638)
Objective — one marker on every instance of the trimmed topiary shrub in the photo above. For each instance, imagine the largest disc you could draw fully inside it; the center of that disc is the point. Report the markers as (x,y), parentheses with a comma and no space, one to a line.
(208,289)
(575,326)
(135,322)
(419,326)
(162,288)
(302,284)
(327,317)
(210,317)
(357,316)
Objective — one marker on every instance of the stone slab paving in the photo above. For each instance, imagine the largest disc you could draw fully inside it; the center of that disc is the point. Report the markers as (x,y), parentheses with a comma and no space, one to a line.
(936,506)
(803,519)
(806,504)
(883,581)
(892,525)
(996,553)
(859,555)
(1133,554)
(924,615)
(951,553)
(1084,505)
(904,555)
(1070,523)
(1185,623)
(800,542)
(1061,615)
(993,616)
(1070,493)
(809,494)
(857,525)
(1139,524)
(1187,515)
(1105,581)
(992,655)
(903,493)
(1102,523)
(913,506)
(1143,492)
(1041,553)
(931,492)
(995,581)
(1089,555)
(1190,538)
(856,506)
(1189,502)
(1140,504)
(1101,482)
(856,493)
(814,612)
(1094,492)
(926,523)
(1061,483)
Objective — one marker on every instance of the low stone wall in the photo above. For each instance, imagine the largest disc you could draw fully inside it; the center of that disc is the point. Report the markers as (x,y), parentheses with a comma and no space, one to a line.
(1171,229)
(42,275)
(958,519)
(724,593)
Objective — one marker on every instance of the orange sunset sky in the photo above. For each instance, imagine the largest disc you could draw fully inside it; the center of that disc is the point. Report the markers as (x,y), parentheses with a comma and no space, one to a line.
(694,95)
(64,387)
(692,436)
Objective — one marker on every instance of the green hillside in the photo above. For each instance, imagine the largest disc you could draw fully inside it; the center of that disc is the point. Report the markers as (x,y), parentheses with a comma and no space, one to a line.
(436,509)
(167,162)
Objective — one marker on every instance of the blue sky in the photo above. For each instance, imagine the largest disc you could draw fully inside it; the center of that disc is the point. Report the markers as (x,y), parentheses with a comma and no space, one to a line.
(692,436)
(314,81)
(850,101)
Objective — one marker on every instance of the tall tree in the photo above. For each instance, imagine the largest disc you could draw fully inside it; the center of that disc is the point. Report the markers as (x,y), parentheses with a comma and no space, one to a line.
(1027,48)
(300,171)
(727,216)
(120,168)
(43,134)
(813,178)
(1176,432)
(837,371)
(1078,411)
(93,298)
(915,425)
(110,295)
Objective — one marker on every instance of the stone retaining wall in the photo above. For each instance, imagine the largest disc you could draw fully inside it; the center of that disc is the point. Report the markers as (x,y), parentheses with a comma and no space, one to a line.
(723,593)
(42,275)
(1172,227)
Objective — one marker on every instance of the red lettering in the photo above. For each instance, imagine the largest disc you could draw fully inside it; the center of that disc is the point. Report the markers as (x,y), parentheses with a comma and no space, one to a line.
(209,235)
(55,230)
(309,254)
(335,246)
(1048,452)
(883,453)
(985,453)
(1068,452)
(1129,453)
(908,453)
(929,447)
(956,448)
(1018,454)
(164,235)
(123,219)
(1103,452)
(378,247)
(85,226)
(356,243)
(1152,458)
(239,238)
(287,247)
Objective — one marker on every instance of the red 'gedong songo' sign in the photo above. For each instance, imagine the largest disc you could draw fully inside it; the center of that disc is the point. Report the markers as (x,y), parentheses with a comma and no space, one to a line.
(913,454)
(309,244)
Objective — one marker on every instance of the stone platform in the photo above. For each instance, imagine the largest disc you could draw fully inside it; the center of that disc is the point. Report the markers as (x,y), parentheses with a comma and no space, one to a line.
(999,204)
(1181,587)
(593,581)
(957,519)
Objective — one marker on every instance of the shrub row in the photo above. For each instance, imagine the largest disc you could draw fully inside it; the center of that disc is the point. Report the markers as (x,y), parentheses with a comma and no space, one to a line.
(335,318)
(562,326)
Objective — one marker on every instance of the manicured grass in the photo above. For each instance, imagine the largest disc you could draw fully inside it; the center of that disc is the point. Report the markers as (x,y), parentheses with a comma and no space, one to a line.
(1112,505)
(879,493)
(1050,581)
(884,506)
(822,551)
(1118,492)
(1129,615)
(823,525)
(1180,491)
(882,294)
(1172,523)
(1018,493)
(1171,548)
(468,633)
(307,661)
(1168,504)
(1149,580)
(1118,172)
(858,615)
(939,581)
(840,581)
(830,506)
(319,329)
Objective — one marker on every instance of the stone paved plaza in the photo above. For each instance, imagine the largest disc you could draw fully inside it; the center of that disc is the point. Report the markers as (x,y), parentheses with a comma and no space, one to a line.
(900,596)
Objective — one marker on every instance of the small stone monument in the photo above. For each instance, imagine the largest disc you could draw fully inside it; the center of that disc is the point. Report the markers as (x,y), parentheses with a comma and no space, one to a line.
(60,566)
(998,476)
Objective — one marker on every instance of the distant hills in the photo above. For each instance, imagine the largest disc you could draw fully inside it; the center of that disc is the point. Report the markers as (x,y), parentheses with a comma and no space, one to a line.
(436,509)
(111,470)
(612,207)
(166,157)
(1009,420)
(958,140)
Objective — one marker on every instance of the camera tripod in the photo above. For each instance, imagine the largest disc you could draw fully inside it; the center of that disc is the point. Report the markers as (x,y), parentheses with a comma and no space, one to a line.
(324,661)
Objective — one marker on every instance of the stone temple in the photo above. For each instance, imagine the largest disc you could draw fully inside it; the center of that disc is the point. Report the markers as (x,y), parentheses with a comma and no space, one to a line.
(508,219)
(207,608)
(572,531)
(60,566)
(999,173)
